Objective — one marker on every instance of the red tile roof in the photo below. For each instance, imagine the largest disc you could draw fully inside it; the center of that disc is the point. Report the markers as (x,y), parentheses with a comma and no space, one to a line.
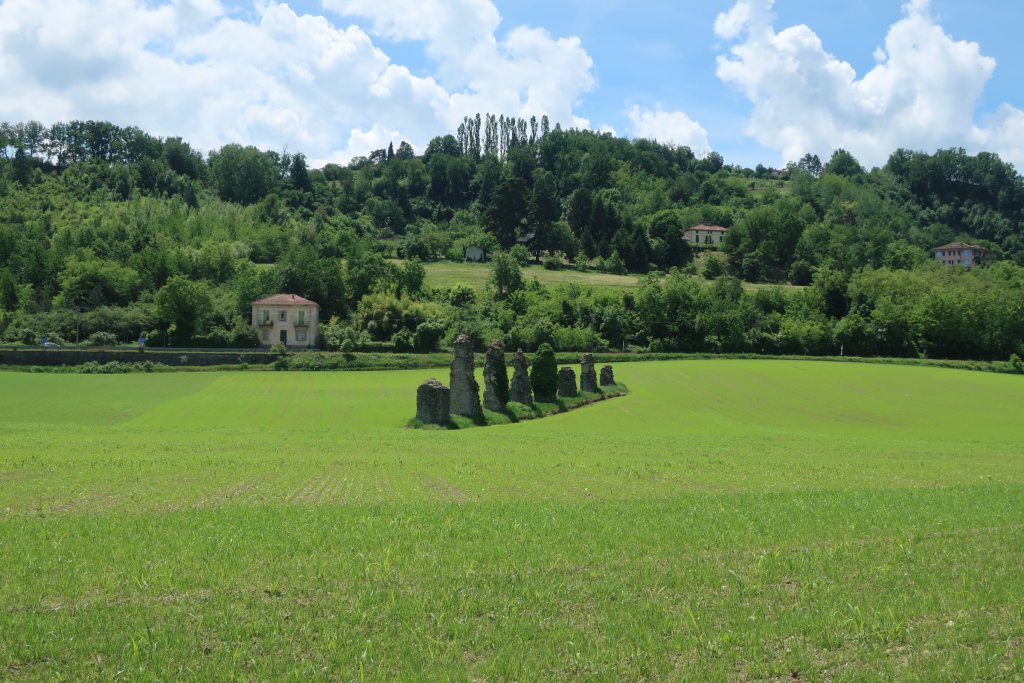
(712,228)
(285,300)
(958,245)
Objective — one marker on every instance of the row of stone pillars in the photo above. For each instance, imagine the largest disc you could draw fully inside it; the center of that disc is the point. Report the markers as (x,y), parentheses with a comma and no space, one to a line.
(436,403)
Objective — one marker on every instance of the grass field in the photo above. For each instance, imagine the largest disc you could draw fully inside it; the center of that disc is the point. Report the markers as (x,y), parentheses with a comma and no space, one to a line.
(449,274)
(727,520)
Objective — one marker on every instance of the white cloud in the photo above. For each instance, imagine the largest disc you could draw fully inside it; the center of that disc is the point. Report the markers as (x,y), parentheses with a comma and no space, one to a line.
(192,68)
(670,127)
(922,94)
(526,73)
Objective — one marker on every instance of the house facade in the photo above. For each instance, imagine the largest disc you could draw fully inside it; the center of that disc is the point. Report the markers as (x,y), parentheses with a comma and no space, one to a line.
(286,318)
(705,235)
(959,254)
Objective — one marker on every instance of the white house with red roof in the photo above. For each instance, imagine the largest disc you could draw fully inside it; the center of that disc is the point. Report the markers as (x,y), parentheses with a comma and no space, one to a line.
(705,235)
(286,318)
(959,254)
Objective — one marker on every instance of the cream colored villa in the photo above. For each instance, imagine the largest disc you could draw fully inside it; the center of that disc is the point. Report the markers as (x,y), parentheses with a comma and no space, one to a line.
(705,235)
(286,318)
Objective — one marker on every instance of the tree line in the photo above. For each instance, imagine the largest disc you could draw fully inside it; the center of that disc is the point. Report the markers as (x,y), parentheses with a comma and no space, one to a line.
(107,232)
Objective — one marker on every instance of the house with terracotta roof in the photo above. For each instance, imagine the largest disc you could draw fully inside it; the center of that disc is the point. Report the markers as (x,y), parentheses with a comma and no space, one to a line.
(286,318)
(705,235)
(959,254)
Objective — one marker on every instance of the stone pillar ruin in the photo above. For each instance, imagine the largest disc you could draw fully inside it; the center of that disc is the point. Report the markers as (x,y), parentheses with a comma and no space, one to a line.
(495,378)
(521,391)
(433,403)
(567,383)
(607,376)
(588,377)
(465,392)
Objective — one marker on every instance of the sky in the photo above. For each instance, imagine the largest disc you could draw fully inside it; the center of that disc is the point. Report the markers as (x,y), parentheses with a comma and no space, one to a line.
(758,81)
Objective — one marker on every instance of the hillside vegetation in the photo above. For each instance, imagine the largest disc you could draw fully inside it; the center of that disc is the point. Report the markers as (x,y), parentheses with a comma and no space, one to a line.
(108,233)
(746,519)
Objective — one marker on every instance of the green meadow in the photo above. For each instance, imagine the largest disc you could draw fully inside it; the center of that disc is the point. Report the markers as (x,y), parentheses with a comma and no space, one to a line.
(726,520)
(476,275)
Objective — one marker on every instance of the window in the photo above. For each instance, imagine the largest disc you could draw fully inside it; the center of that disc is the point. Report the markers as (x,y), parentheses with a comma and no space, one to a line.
(282,316)
(266,315)
(300,335)
(302,316)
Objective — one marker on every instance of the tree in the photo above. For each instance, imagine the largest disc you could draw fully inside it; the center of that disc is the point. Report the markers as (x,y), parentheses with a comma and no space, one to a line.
(413,277)
(505,213)
(810,163)
(544,209)
(544,374)
(242,174)
(405,151)
(843,163)
(506,277)
(93,282)
(186,305)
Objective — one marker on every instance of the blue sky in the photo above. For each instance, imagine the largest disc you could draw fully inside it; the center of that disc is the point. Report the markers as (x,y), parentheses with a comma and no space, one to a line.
(756,80)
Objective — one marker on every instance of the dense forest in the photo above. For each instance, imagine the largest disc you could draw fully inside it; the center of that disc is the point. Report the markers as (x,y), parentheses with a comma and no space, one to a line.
(108,233)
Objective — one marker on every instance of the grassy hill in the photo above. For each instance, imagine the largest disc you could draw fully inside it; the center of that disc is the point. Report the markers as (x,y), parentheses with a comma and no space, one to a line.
(745,519)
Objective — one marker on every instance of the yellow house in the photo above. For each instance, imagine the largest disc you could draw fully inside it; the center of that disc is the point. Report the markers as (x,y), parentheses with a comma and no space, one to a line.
(705,235)
(286,318)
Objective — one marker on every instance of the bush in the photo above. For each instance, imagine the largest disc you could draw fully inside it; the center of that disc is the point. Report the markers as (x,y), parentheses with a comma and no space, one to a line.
(520,253)
(101,339)
(428,334)
(615,265)
(1016,363)
(544,374)
(403,341)
(714,267)
(552,263)
(800,273)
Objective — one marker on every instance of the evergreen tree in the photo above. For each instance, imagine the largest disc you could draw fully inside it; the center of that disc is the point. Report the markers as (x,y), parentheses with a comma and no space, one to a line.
(544,374)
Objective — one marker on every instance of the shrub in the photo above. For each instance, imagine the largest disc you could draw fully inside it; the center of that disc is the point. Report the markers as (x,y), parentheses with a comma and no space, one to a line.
(552,263)
(101,339)
(714,267)
(403,341)
(544,374)
(428,334)
(1016,363)
(615,265)
(520,253)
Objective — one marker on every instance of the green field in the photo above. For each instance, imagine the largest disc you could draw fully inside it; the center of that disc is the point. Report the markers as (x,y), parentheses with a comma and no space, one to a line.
(727,520)
(449,274)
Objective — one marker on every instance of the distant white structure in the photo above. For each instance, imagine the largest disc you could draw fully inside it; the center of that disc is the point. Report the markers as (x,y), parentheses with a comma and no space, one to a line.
(475,254)
(959,254)
(286,318)
(705,235)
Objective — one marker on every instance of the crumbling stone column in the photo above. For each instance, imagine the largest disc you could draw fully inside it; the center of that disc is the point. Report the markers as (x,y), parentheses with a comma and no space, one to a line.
(465,392)
(588,377)
(433,403)
(521,391)
(607,376)
(495,378)
(567,383)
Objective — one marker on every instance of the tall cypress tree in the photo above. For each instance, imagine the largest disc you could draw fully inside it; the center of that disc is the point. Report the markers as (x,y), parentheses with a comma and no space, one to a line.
(544,374)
